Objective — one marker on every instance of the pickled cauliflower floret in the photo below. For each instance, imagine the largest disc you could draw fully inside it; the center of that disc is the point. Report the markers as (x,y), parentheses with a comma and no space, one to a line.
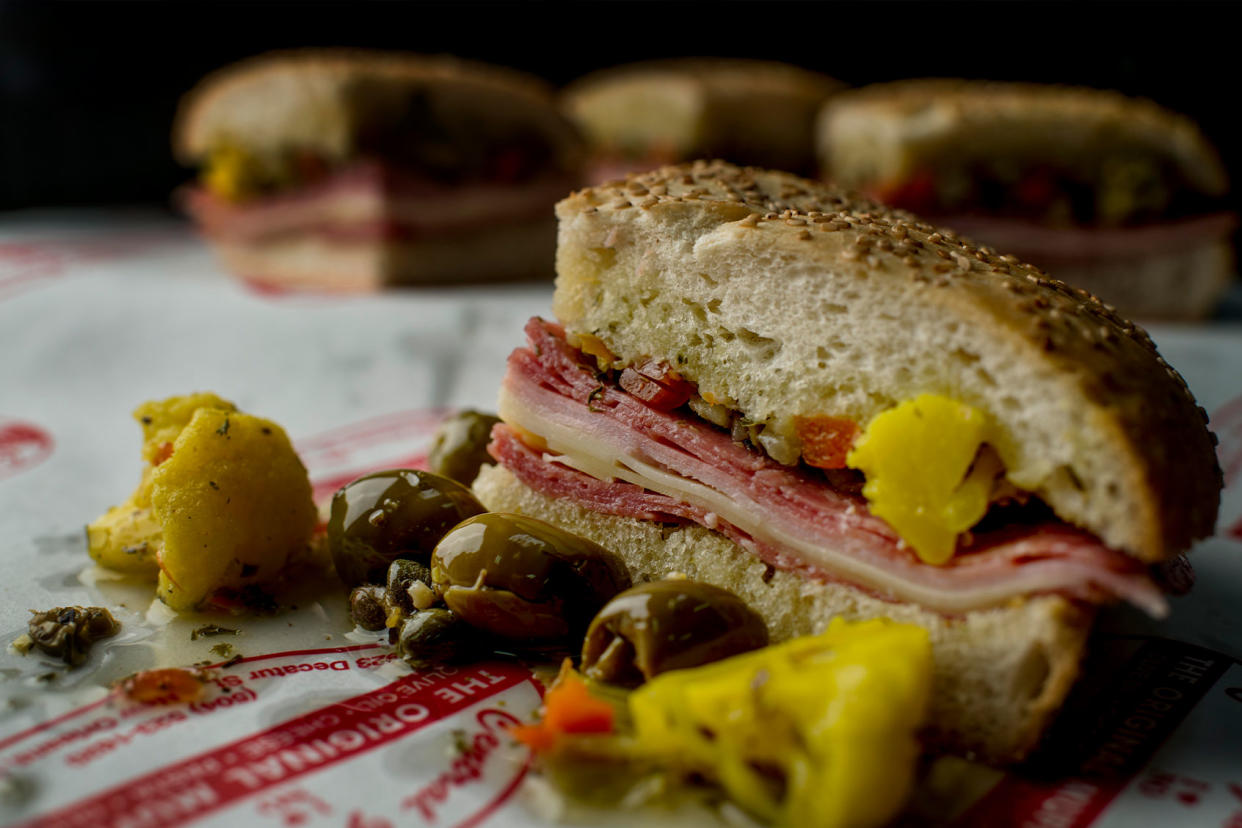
(223,502)
(926,475)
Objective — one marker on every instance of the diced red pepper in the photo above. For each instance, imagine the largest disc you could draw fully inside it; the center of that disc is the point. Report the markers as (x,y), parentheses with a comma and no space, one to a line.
(171,685)
(826,441)
(916,193)
(1037,189)
(165,451)
(656,384)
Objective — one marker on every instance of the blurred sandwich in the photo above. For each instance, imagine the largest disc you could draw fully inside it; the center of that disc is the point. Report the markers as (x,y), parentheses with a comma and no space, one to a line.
(832,409)
(1112,194)
(351,170)
(642,115)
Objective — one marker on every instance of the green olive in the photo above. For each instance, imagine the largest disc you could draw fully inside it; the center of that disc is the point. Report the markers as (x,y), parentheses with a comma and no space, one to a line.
(388,515)
(459,448)
(668,625)
(521,578)
(433,637)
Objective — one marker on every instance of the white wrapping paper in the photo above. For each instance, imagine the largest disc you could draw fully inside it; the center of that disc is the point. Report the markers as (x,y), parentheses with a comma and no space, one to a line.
(317,726)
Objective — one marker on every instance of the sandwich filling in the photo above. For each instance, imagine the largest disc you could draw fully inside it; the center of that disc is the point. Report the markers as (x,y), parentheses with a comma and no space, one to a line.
(631,446)
(372,201)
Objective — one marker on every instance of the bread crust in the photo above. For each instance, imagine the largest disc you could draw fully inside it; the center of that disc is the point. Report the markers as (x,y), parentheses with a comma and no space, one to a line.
(889,121)
(311,98)
(720,76)
(1000,674)
(1119,445)
(751,111)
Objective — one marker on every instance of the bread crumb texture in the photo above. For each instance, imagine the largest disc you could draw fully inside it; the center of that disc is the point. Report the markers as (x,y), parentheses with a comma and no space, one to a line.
(784,297)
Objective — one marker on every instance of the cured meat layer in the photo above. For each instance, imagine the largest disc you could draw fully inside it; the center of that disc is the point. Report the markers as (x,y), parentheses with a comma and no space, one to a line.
(579,435)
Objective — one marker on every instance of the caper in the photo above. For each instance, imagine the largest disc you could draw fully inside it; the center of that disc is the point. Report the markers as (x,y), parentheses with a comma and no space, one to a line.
(668,625)
(388,515)
(367,607)
(521,578)
(436,636)
(402,575)
(459,448)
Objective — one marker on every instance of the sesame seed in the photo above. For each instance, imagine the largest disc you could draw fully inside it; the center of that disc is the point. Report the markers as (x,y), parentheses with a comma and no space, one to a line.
(805,235)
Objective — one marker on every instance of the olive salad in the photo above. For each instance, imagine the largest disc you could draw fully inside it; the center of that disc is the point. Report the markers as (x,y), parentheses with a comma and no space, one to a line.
(452,582)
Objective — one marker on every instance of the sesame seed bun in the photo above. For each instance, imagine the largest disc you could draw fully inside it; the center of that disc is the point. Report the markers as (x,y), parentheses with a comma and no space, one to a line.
(885,131)
(787,297)
(325,99)
(1113,194)
(749,111)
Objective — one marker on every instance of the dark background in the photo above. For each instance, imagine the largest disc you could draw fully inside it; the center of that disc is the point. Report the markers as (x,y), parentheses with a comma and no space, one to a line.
(88,89)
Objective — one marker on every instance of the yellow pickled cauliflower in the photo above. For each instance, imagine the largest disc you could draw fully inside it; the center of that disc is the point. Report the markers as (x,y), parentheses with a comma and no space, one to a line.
(223,502)
(926,475)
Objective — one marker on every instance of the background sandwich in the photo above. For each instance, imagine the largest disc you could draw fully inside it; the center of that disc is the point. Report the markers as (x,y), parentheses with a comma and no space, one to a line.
(641,115)
(830,408)
(1112,194)
(350,170)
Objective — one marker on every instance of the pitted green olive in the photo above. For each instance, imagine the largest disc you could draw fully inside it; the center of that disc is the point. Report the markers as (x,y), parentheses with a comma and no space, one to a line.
(668,625)
(388,515)
(521,578)
(459,448)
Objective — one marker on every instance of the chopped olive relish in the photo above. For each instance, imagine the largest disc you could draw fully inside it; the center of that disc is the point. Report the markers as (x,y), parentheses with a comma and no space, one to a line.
(67,633)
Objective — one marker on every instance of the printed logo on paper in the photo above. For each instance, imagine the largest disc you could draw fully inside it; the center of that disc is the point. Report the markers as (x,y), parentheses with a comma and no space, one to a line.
(22,445)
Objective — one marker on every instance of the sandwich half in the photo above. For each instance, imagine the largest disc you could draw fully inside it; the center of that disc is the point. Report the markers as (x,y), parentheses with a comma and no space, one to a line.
(352,170)
(830,408)
(643,115)
(1113,194)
